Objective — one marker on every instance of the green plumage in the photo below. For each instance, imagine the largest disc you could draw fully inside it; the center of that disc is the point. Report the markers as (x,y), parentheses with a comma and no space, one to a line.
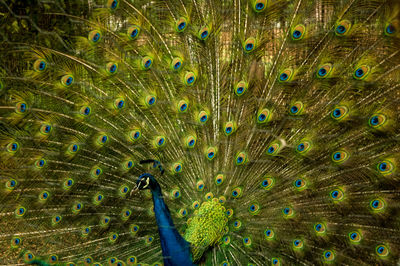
(277,123)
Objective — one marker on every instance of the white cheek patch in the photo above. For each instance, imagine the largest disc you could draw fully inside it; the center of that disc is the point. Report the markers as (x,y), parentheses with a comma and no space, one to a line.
(147,182)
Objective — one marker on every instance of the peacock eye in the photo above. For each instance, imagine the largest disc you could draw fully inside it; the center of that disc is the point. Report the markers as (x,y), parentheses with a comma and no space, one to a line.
(390,29)
(204,34)
(342,28)
(181,24)
(146,63)
(40,65)
(111,68)
(328,255)
(94,36)
(382,251)
(112,4)
(298,32)
(259,5)
(296,108)
(21,107)
(286,75)
(361,72)
(133,32)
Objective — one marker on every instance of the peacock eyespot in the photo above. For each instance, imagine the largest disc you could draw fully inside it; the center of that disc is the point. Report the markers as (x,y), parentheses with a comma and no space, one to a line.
(11,184)
(259,6)
(273,149)
(183,106)
(382,250)
(204,35)
(119,104)
(111,68)
(247,241)
(328,255)
(20,211)
(44,195)
(286,75)
(12,147)
(298,244)
(342,28)
(146,63)
(15,242)
(181,24)
(361,72)
(377,205)
(339,157)
(67,80)
(45,129)
(112,4)
(301,147)
(337,195)
(390,29)
(300,184)
(133,32)
(102,139)
(210,152)
(385,167)
(298,32)
(275,261)
(377,120)
(202,117)
(96,37)
(337,113)
(40,65)
(21,107)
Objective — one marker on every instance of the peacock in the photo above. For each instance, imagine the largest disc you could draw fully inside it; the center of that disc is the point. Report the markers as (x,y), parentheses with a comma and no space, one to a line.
(200,132)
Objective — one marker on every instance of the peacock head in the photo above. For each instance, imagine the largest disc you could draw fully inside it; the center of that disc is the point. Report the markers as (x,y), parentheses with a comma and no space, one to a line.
(147,181)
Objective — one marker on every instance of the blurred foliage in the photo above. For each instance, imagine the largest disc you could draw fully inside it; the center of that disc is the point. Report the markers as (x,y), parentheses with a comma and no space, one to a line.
(50,23)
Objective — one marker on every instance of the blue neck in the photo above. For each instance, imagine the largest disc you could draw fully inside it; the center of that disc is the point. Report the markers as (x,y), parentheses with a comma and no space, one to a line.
(175,249)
